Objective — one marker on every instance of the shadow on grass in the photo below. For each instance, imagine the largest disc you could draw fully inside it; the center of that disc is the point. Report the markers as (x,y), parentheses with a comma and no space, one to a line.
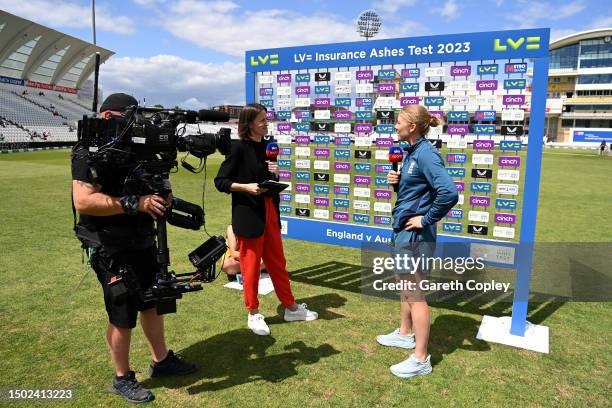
(343,276)
(239,356)
(451,332)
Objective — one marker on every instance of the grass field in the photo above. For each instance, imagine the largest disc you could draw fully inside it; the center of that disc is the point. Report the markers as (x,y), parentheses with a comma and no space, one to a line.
(53,334)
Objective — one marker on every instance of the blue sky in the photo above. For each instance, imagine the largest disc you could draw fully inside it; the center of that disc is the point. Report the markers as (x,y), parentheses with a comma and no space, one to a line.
(190,52)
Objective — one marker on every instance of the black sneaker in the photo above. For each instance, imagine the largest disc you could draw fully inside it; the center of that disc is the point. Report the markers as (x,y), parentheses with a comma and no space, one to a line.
(130,389)
(172,365)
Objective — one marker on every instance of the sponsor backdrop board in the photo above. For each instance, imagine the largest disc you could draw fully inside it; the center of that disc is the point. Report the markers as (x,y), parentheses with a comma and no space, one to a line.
(332,109)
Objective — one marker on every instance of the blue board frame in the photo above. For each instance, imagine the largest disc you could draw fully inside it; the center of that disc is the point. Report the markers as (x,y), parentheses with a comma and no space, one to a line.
(513,44)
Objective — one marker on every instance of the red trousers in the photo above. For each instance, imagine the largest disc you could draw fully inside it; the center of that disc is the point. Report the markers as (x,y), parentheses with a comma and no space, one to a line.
(268,247)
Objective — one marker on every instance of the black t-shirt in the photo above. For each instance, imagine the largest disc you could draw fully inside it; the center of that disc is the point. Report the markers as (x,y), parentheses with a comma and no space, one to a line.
(120,230)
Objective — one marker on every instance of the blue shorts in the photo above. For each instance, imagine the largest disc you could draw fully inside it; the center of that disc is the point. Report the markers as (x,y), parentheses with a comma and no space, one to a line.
(416,244)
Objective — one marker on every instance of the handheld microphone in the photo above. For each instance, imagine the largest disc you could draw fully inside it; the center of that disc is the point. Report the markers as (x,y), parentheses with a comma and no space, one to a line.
(395,156)
(272,150)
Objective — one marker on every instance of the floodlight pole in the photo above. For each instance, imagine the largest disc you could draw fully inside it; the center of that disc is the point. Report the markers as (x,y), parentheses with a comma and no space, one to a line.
(94,106)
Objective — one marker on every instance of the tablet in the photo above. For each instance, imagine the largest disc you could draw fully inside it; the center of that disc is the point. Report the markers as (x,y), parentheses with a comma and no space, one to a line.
(273,186)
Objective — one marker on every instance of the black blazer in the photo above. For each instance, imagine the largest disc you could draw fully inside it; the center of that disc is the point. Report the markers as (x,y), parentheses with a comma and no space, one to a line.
(245,164)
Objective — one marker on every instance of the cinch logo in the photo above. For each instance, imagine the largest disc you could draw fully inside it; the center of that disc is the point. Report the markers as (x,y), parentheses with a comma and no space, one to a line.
(460,70)
(388,129)
(515,84)
(486,85)
(480,201)
(361,218)
(284,197)
(411,73)
(434,100)
(515,68)
(302,212)
(452,227)
(364,75)
(363,101)
(342,102)
(383,194)
(506,204)
(321,201)
(383,168)
(480,187)
(485,115)
(458,116)
(283,78)
(284,209)
(341,203)
(341,216)
(321,189)
(284,175)
(302,90)
(363,154)
(268,103)
(409,87)
(363,128)
(487,144)
(318,152)
(342,141)
(322,89)
(363,115)
(382,220)
(458,129)
(455,213)
(302,114)
(342,166)
(302,188)
(302,127)
(502,218)
(386,88)
(270,115)
(487,69)
(321,139)
(283,114)
(342,153)
(366,180)
(510,145)
(531,43)
(322,102)
(456,172)
(343,115)
(321,177)
(302,175)
(384,142)
(302,77)
(434,86)
(266,91)
(304,140)
(381,181)
(322,76)
(459,185)
(386,74)
(484,129)
(284,164)
(271,59)
(458,158)
(362,167)
(342,190)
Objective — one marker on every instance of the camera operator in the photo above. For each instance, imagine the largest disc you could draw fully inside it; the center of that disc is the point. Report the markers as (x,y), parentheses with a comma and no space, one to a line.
(126,250)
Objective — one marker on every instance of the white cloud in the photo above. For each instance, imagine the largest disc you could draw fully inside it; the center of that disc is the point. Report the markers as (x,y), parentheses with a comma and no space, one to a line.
(531,12)
(68,14)
(170,80)
(557,33)
(448,10)
(603,22)
(390,7)
(223,26)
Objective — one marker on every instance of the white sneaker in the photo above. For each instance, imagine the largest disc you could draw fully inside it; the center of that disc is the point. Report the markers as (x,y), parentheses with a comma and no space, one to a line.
(257,323)
(301,313)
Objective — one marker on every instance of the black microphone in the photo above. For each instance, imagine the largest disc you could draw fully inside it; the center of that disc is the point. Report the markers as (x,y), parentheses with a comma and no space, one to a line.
(207,115)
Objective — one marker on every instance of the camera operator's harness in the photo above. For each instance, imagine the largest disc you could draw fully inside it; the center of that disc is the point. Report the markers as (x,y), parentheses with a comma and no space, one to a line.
(148,151)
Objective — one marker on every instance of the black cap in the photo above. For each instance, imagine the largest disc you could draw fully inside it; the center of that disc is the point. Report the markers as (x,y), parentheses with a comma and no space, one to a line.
(117,102)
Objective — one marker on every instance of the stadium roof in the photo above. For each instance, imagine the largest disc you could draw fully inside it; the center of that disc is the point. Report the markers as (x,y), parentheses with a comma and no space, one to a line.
(34,52)
(583,35)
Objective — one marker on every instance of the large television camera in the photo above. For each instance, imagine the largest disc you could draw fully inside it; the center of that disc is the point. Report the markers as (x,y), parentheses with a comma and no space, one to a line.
(144,142)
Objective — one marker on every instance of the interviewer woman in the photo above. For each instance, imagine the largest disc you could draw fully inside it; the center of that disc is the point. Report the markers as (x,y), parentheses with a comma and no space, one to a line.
(425,194)
(255,218)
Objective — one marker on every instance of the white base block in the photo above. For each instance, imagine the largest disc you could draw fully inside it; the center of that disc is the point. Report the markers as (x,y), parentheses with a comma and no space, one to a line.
(265,285)
(497,330)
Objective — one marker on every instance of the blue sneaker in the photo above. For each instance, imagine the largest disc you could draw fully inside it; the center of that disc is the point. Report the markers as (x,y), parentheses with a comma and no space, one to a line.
(130,389)
(411,367)
(395,339)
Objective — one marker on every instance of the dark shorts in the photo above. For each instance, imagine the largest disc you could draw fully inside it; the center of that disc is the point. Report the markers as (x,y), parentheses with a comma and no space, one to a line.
(414,244)
(143,263)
